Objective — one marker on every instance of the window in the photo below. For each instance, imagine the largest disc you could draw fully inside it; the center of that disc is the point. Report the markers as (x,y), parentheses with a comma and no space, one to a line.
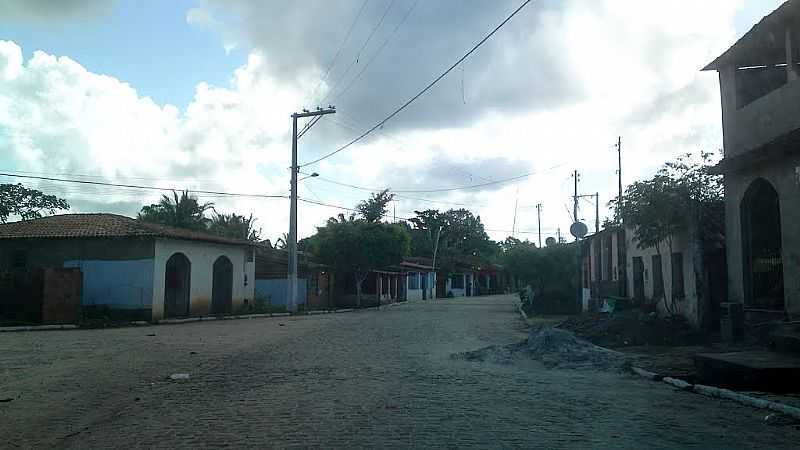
(658,278)
(457,281)
(678,290)
(413,280)
(19,259)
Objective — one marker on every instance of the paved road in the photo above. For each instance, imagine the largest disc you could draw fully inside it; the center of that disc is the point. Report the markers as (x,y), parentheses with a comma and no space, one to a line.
(365,379)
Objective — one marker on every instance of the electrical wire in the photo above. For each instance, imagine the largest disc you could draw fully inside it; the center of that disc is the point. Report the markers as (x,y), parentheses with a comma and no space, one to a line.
(423,91)
(358,55)
(133,186)
(377,52)
(339,50)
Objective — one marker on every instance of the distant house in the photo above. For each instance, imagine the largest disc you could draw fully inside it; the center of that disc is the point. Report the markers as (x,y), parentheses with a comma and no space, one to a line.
(689,282)
(759,80)
(314,280)
(133,268)
(603,263)
(420,278)
(387,285)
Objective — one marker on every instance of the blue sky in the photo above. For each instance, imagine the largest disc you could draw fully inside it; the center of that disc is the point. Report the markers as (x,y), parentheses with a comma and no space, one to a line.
(146,43)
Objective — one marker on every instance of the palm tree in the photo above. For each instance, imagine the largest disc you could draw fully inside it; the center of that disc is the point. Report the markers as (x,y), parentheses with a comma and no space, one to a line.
(183,211)
(235,226)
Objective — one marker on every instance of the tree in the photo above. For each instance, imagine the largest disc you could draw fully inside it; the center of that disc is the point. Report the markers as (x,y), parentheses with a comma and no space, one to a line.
(183,211)
(683,196)
(17,200)
(234,226)
(549,271)
(462,234)
(354,248)
(374,208)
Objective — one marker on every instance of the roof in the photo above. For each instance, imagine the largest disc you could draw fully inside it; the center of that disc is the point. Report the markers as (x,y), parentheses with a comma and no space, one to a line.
(753,49)
(417,262)
(66,226)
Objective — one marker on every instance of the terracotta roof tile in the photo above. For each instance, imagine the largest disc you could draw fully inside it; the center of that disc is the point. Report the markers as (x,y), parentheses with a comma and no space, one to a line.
(102,225)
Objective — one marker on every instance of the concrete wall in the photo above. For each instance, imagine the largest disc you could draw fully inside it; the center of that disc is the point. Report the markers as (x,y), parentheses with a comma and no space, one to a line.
(116,284)
(416,294)
(202,256)
(761,121)
(43,253)
(688,306)
(785,178)
(277,290)
(468,279)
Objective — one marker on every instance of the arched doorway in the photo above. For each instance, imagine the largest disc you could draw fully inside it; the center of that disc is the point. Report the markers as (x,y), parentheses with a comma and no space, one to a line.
(762,259)
(222,286)
(177,279)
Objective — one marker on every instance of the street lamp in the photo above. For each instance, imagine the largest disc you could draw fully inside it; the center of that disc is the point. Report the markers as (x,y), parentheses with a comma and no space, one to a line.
(313,175)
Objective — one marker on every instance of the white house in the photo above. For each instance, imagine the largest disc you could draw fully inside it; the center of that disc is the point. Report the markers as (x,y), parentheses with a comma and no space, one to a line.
(139,269)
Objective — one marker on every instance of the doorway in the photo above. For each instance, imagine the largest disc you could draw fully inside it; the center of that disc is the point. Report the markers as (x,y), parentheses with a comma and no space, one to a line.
(177,282)
(762,259)
(638,279)
(222,286)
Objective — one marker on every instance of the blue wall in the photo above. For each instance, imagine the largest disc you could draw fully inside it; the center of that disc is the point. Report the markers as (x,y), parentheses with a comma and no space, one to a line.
(117,284)
(277,290)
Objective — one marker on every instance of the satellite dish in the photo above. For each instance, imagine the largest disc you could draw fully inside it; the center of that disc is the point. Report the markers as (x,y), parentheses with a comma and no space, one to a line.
(551,241)
(578,229)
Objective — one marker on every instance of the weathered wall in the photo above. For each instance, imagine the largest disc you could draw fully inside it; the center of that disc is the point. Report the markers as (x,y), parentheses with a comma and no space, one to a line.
(117,272)
(43,253)
(688,306)
(277,290)
(116,284)
(202,256)
(785,178)
(416,294)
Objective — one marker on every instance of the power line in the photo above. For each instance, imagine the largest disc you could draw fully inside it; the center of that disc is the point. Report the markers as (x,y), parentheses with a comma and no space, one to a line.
(358,55)
(134,186)
(424,90)
(377,52)
(339,50)
(458,188)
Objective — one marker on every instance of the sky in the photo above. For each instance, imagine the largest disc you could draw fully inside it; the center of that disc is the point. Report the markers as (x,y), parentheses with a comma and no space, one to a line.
(198,94)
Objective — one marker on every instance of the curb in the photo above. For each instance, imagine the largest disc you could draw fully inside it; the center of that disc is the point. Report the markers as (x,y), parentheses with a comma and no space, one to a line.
(715,392)
(37,328)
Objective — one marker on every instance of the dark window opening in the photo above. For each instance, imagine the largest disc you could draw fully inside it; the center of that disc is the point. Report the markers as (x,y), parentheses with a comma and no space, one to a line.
(756,82)
(658,278)
(678,290)
(457,281)
(413,280)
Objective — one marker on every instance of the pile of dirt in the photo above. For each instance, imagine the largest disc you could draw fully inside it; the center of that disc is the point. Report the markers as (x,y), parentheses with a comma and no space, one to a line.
(633,328)
(553,347)
(563,349)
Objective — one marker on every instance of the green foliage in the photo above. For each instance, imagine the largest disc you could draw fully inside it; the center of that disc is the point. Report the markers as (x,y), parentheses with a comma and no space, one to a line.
(183,211)
(684,197)
(17,200)
(462,234)
(550,271)
(374,208)
(355,247)
(234,226)
(682,194)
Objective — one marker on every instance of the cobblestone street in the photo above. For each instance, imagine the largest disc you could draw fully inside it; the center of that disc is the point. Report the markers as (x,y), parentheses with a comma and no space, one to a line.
(378,378)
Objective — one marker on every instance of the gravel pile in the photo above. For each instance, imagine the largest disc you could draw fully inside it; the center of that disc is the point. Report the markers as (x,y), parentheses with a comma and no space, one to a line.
(555,348)
(563,349)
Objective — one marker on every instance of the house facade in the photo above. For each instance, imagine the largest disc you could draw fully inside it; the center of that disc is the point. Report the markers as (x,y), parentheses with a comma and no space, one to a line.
(760,95)
(420,279)
(603,267)
(314,280)
(135,269)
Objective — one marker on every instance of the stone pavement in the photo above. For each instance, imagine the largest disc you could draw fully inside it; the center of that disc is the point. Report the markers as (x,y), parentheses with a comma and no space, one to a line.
(378,378)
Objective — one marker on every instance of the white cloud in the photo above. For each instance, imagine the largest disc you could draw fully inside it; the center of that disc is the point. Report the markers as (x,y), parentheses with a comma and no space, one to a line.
(627,68)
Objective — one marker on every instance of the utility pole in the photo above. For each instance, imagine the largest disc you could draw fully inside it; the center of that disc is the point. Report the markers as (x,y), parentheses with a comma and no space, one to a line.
(619,166)
(514,225)
(559,235)
(575,199)
(539,218)
(597,212)
(292,244)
